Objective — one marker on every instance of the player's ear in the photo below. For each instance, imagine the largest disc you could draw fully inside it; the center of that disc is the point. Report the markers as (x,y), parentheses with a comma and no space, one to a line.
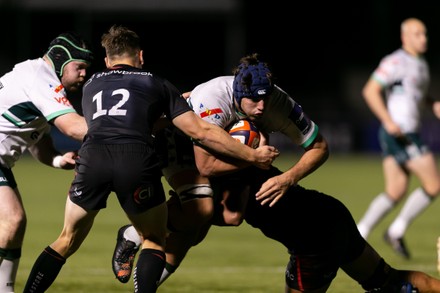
(107,63)
(141,57)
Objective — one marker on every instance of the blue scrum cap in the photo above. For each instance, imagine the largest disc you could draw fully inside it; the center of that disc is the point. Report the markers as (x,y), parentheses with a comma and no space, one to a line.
(65,48)
(252,81)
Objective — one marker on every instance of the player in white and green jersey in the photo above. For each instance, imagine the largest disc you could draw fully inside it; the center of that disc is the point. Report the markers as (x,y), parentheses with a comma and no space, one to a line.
(33,97)
(396,93)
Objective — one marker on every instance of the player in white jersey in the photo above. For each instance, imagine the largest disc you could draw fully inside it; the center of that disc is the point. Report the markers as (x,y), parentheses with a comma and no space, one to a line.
(402,80)
(280,112)
(32,98)
(249,93)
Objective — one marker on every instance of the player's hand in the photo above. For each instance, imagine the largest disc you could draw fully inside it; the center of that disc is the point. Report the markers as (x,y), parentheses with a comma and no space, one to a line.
(393,129)
(186,95)
(265,155)
(68,160)
(272,190)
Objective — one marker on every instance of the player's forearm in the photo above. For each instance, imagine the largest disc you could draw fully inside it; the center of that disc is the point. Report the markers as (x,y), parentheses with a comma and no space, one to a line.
(44,151)
(218,167)
(308,163)
(313,158)
(220,141)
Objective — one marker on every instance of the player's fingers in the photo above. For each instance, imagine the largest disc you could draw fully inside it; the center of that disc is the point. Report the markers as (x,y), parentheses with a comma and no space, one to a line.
(270,200)
(274,201)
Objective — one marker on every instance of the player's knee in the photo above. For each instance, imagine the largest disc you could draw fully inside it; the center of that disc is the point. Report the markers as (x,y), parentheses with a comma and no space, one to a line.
(197,198)
(433,189)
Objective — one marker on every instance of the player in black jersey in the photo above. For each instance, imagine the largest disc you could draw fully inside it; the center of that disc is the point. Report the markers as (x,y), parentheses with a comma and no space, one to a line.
(320,235)
(121,106)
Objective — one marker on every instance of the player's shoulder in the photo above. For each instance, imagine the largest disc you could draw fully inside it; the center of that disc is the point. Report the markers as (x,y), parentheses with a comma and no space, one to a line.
(279,92)
(30,66)
(33,73)
(395,57)
(218,87)
(280,98)
(216,83)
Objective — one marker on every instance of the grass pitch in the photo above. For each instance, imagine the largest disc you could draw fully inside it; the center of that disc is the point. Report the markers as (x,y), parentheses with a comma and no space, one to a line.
(231,259)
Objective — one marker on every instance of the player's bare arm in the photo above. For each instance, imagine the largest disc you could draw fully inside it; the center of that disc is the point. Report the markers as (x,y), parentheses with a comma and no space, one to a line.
(274,188)
(213,164)
(72,125)
(216,138)
(45,152)
(372,93)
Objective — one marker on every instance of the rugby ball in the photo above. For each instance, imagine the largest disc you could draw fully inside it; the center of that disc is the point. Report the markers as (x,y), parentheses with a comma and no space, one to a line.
(245,132)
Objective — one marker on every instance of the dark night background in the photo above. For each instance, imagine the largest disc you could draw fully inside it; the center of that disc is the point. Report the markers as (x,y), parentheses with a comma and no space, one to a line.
(321,52)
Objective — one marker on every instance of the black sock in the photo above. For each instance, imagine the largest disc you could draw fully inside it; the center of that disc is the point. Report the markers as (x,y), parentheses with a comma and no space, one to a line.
(44,272)
(149,267)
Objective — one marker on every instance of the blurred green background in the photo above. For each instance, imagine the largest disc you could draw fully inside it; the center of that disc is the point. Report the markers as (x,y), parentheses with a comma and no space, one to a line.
(231,259)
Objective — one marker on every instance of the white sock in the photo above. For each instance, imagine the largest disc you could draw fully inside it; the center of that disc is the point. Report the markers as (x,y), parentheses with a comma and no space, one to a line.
(131,234)
(165,275)
(378,209)
(8,273)
(416,203)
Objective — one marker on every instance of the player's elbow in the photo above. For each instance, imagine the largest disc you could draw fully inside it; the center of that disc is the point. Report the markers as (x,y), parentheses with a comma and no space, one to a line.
(73,132)
(206,171)
(365,92)
(234,219)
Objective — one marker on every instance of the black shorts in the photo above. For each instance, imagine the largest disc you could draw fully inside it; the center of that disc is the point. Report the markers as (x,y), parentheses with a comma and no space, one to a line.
(130,170)
(7,177)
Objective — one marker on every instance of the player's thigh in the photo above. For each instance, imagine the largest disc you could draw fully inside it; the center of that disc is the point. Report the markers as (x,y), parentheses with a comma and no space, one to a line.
(426,170)
(178,176)
(12,218)
(11,204)
(195,204)
(190,214)
(396,178)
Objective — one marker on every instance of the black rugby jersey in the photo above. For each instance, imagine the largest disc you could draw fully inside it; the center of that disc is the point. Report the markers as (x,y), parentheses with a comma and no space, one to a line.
(121,104)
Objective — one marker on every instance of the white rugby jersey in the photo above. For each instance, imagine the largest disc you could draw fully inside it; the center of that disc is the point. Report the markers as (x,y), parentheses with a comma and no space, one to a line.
(30,95)
(405,79)
(213,102)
